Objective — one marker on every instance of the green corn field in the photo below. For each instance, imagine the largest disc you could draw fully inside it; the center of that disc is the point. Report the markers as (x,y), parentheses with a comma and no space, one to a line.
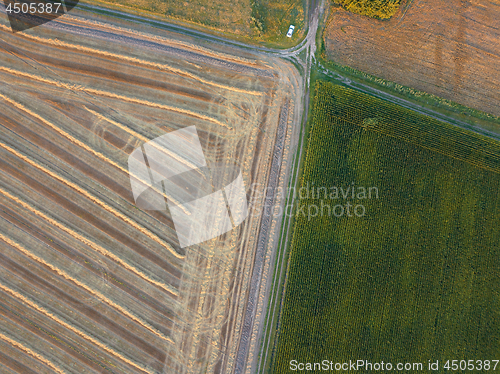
(414,278)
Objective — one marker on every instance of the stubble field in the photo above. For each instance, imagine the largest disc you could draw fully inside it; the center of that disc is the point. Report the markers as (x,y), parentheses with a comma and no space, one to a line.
(89,282)
(447,48)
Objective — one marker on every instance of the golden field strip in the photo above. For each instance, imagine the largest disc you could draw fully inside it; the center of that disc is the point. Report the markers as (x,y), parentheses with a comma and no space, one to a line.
(89,283)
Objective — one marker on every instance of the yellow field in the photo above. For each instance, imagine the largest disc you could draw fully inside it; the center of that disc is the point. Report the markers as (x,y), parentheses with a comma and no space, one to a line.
(381,9)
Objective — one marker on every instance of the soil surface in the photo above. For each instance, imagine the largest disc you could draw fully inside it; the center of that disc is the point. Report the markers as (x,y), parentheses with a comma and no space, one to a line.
(448,48)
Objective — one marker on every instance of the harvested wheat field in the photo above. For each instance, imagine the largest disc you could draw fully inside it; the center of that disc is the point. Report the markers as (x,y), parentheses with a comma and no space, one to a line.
(89,283)
(448,48)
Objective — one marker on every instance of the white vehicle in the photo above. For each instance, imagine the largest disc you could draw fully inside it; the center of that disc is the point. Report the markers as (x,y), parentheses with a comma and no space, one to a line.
(290,31)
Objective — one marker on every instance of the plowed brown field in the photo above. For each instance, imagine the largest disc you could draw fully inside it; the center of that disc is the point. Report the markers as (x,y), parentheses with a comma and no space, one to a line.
(448,48)
(89,282)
